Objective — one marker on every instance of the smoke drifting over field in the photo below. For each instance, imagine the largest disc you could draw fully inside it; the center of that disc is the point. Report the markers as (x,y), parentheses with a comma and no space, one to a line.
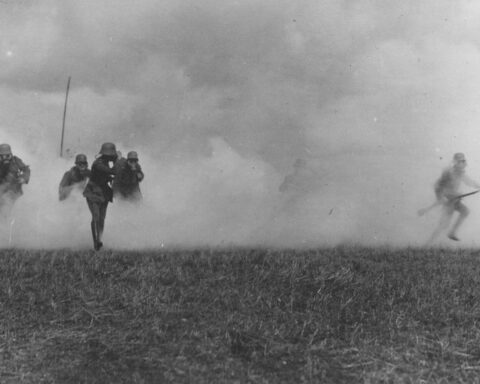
(220,97)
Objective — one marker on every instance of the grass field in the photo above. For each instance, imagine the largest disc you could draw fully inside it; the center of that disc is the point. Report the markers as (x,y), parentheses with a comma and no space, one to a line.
(336,315)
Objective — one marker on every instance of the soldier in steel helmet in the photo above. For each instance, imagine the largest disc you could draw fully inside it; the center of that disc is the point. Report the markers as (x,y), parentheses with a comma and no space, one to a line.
(299,180)
(446,191)
(13,174)
(74,179)
(98,191)
(126,185)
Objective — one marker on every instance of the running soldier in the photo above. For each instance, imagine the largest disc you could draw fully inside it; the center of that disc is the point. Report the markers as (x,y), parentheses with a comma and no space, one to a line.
(76,178)
(301,181)
(296,180)
(446,191)
(98,191)
(126,185)
(13,174)
(297,186)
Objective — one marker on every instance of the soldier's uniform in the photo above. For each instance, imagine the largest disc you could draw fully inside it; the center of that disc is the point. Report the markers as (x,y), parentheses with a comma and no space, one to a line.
(119,163)
(75,178)
(446,189)
(300,182)
(126,185)
(13,174)
(98,191)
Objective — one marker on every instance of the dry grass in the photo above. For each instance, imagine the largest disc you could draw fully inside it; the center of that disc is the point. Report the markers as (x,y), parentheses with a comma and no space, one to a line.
(338,315)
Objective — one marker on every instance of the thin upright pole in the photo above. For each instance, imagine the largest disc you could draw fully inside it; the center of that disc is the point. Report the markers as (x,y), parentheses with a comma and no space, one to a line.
(64,115)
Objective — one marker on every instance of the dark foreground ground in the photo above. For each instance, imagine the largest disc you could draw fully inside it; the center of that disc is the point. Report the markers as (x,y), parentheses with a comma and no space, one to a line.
(341,315)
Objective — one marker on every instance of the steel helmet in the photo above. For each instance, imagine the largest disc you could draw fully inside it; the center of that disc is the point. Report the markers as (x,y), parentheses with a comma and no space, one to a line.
(108,149)
(80,158)
(5,149)
(132,155)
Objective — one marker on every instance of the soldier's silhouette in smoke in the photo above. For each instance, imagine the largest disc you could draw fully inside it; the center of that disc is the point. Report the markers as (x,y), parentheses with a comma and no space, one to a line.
(129,175)
(75,178)
(295,205)
(299,183)
(295,190)
(447,191)
(98,191)
(298,180)
(14,173)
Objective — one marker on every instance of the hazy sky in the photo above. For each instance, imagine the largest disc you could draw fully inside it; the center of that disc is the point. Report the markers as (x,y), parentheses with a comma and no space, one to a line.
(220,97)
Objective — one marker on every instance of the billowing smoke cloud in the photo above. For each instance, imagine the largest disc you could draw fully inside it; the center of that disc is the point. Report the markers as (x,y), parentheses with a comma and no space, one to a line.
(220,98)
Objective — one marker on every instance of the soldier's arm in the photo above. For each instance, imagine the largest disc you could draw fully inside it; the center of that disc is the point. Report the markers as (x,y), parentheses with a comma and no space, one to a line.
(86,173)
(139,173)
(64,187)
(63,193)
(24,171)
(103,168)
(26,174)
(66,181)
(440,185)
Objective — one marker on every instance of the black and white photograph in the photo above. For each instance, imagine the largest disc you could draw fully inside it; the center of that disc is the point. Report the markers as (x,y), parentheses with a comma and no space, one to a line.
(239,191)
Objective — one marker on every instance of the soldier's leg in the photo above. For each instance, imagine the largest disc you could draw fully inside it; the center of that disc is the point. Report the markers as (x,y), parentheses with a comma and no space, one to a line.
(95,211)
(463,212)
(4,207)
(445,218)
(7,201)
(102,215)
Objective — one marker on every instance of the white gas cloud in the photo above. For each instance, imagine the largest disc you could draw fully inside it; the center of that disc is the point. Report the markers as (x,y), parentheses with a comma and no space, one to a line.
(220,98)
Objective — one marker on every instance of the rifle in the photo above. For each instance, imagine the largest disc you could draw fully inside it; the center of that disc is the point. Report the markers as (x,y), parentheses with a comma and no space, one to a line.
(466,194)
(423,211)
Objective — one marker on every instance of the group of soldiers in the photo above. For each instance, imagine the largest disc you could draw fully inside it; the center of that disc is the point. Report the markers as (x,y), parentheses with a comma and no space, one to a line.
(111,176)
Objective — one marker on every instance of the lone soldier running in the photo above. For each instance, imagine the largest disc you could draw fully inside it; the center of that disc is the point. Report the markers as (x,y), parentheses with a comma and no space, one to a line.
(293,180)
(303,180)
(126,185)
(13,174)
(447,192)
(98,191)
(75,178)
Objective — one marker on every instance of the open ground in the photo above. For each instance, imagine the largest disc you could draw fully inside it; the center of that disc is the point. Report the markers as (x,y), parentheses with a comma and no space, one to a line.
(333,315)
